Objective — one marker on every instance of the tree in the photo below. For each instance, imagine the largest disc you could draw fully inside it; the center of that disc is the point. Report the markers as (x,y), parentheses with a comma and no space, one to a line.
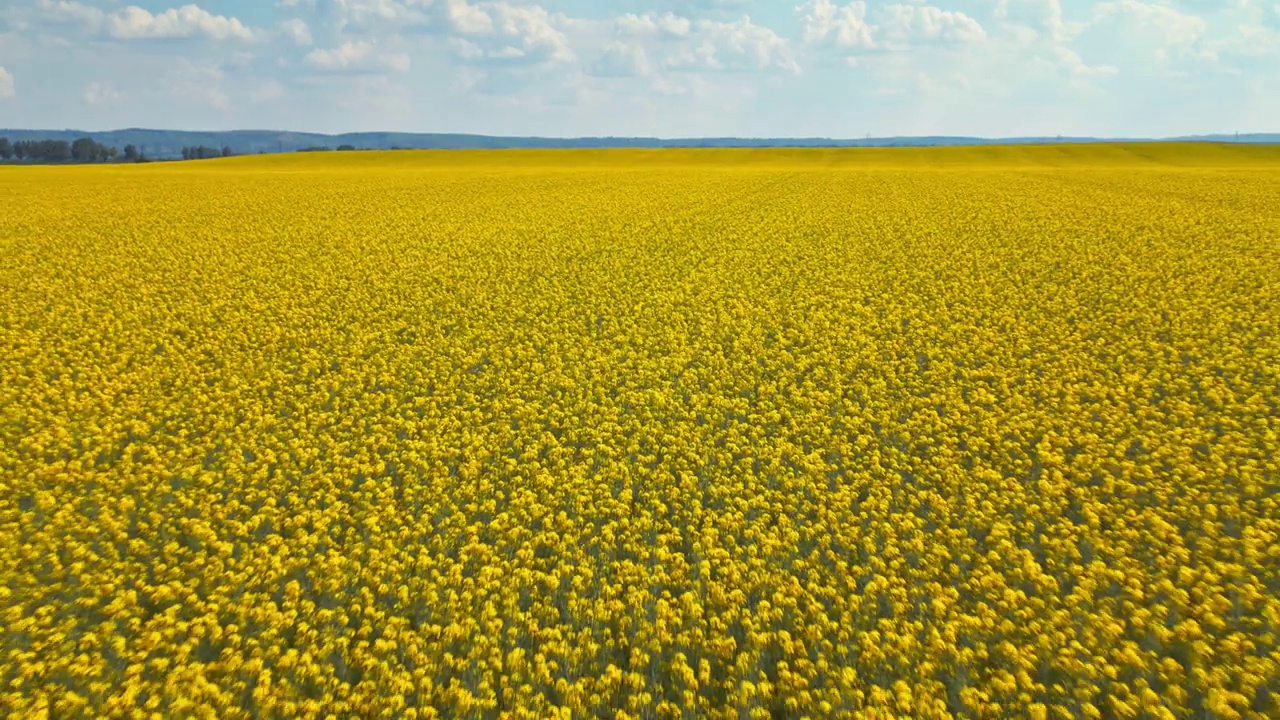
(346,147)
(50,150)
(84,150)
(226,151)
(130,153)
(20,150)
(6,150)
(186,153)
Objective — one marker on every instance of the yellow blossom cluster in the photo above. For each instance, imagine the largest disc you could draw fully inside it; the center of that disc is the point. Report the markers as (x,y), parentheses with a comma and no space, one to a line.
(983,433)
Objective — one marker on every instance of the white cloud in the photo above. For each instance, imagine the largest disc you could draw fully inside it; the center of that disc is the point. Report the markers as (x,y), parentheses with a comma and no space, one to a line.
(68,11)
(1038,35)
(1077,69)
(468,19)
(662,66)
(906,24)
(507,35)
(447,16)
(296,30)
(504,33)
(366,13)
(695,58)
(1043,17)
(101,95)
(1132,33)
(656,46)
(1171,27)
(649,25)
(189,20)
(356,56)
(507,52)
(134,23)
(694,5)
(532,29)
(740,45)
(1251,43)
(847,26)
(7,87)
(465,50)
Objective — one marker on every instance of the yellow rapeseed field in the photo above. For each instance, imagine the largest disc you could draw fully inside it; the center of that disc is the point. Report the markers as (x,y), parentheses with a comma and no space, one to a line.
(985,432)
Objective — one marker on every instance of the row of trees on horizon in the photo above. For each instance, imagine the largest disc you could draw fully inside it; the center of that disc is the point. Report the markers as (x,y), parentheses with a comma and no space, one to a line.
(200,152)
(87,150)
(81,150)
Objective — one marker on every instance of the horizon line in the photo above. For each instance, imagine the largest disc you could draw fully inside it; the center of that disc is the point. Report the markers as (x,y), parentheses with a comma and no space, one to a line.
(657,137)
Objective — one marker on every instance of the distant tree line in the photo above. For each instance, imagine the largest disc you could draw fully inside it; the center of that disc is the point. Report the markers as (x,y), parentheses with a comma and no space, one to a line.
(81,150)
(200,152)
(325,148)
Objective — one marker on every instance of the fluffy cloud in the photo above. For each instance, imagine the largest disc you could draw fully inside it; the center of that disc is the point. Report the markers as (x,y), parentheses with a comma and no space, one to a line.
(1043,17)
(134,23)
(666,25)
(1037,33)
(905,24)
(374,14)
(467,19)
(847,26)
(7,88)
(356,56)
(187,21)
(500,33)
(528,30)
(1130,33)
(695,5)
(961,60)
(1171,27)
(898,26)
(465,50)
(443,16)
(297,30)
(742,44)
(68,11)
(679,56)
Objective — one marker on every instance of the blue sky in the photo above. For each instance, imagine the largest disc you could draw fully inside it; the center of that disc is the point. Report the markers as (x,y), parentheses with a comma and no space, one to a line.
(665,67)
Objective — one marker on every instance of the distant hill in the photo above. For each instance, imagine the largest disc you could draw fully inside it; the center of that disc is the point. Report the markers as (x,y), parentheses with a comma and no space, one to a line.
(162,144)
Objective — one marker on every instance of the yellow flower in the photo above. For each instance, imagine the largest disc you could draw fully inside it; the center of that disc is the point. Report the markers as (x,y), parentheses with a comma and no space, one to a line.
(864,433)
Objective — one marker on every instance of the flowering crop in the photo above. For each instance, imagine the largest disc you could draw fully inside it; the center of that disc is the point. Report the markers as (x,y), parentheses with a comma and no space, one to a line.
(983,432)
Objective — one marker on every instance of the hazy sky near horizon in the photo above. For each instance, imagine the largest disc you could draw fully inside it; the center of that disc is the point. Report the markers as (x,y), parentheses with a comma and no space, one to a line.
(663,67)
